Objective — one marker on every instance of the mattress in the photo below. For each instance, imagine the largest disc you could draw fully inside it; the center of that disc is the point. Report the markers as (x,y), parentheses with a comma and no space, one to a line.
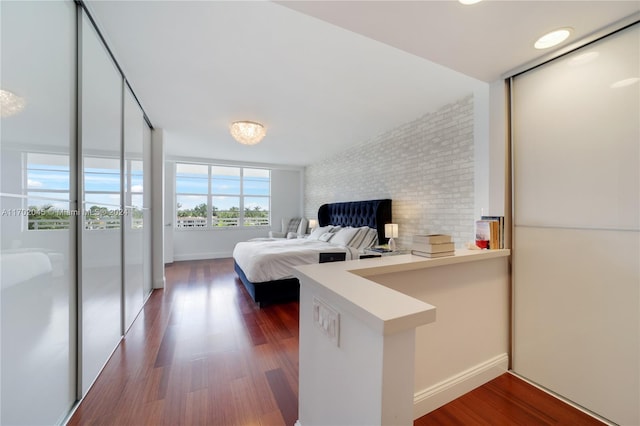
(274,260)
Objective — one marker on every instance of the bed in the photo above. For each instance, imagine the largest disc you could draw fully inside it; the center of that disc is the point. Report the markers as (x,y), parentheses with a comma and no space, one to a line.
(266,267)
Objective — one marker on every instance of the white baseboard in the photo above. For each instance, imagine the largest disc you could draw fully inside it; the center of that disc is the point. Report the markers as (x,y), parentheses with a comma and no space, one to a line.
(446,391)
(159,283)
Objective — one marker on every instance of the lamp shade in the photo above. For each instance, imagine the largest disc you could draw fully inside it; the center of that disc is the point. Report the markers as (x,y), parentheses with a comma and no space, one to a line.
(247,132)
(391,230)
(313,223)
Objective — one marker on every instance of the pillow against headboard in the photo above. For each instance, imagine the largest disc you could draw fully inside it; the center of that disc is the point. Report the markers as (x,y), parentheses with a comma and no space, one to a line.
(371,213)
(344,236)
(317,232)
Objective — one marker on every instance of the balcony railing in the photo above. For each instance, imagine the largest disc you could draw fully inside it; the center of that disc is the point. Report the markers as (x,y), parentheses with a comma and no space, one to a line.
(201,222)
(89,224)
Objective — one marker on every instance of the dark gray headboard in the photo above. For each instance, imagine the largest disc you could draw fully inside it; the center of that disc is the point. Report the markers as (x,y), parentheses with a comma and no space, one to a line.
(371,213)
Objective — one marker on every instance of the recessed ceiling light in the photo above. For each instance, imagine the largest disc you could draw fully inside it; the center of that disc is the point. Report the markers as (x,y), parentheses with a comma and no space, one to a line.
(553,38)
(624,83)
(468,2)
(10,103)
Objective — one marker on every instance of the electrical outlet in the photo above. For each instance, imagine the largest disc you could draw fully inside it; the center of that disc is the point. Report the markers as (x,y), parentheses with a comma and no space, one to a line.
(327,319)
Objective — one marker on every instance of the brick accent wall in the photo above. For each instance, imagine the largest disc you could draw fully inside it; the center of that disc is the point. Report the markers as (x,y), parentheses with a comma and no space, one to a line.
(425,166)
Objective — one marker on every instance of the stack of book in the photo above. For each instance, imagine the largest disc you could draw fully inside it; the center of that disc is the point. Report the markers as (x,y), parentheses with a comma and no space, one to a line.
(432,245)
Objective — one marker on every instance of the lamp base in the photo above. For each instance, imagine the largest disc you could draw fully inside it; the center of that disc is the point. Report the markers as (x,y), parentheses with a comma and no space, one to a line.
(392,244)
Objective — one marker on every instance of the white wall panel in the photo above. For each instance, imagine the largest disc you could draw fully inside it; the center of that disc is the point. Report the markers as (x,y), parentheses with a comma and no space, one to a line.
(576,253)
(133,223)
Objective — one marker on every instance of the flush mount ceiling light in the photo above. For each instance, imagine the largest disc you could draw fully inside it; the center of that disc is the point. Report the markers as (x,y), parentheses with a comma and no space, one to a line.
(468,2)
(247,132)
(553,38)
(10,103)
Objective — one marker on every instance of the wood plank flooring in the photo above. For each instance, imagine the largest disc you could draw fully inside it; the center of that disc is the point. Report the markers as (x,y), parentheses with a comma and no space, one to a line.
(202,353)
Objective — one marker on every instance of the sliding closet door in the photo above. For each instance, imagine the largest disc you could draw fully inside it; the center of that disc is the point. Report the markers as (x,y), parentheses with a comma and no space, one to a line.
(576,247)
(147,283)
(37,257)
(133,221)
(101,233)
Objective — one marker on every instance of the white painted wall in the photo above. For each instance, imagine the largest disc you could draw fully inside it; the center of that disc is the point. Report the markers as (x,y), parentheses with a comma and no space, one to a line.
(157,207)
(471,329)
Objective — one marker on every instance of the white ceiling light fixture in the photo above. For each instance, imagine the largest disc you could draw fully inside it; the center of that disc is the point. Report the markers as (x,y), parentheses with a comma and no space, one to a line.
(468,2)
(247,132)
(10,103)
(553,38)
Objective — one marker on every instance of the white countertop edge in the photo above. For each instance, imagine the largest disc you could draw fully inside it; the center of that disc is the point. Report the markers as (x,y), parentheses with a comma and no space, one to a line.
(383,309)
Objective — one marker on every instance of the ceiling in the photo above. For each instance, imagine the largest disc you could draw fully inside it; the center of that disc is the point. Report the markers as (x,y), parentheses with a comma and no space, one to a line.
(321,75)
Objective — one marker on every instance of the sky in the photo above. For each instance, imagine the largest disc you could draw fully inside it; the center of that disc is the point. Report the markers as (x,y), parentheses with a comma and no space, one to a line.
(48,183)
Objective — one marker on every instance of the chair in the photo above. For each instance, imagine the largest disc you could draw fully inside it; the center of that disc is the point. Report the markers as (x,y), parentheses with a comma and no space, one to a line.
(291,228)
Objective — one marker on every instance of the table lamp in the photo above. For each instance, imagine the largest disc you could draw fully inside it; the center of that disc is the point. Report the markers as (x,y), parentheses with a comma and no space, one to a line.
(391,232)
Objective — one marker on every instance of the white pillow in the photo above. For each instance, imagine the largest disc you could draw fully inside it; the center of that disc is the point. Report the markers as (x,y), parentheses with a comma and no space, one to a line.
(356,241)
(344,236)
(315,234)
(326,236)
(370,239)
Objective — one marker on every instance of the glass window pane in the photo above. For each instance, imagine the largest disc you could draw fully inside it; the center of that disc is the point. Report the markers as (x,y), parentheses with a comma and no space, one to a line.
(226,211)
(101,217)
(109,199)
(256,211)
(256,182)
(102,174)
(225,180)
(137,218)
(58,198)
(192,178)
(191,211)
(48,214)
(47,171)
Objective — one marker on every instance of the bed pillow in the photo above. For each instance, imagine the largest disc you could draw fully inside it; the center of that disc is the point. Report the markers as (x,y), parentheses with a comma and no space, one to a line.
(315,234)
(370,239)
(357,239)
(326,236)
(344,236)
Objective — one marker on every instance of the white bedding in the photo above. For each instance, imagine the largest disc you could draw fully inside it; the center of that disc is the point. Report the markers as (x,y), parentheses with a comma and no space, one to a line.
(273,260)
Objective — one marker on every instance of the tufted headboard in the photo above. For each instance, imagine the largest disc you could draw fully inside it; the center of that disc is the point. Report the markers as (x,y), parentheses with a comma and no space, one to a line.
(371,213)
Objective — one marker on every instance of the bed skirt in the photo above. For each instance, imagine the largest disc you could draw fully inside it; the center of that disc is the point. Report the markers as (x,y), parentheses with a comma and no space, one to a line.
(267,292)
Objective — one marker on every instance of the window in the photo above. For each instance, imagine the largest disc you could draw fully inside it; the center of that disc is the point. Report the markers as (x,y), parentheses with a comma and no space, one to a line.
(102,207)
(134,193)
(47,190)
(212,196)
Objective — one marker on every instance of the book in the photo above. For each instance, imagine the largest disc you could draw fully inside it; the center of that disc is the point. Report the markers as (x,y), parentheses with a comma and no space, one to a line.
(380,249)
(433,255)
(432,238)
(483,233)
(499,243)
(433,248)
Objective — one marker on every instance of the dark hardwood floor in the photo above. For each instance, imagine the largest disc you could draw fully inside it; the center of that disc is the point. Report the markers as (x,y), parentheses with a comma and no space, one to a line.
(202,353)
